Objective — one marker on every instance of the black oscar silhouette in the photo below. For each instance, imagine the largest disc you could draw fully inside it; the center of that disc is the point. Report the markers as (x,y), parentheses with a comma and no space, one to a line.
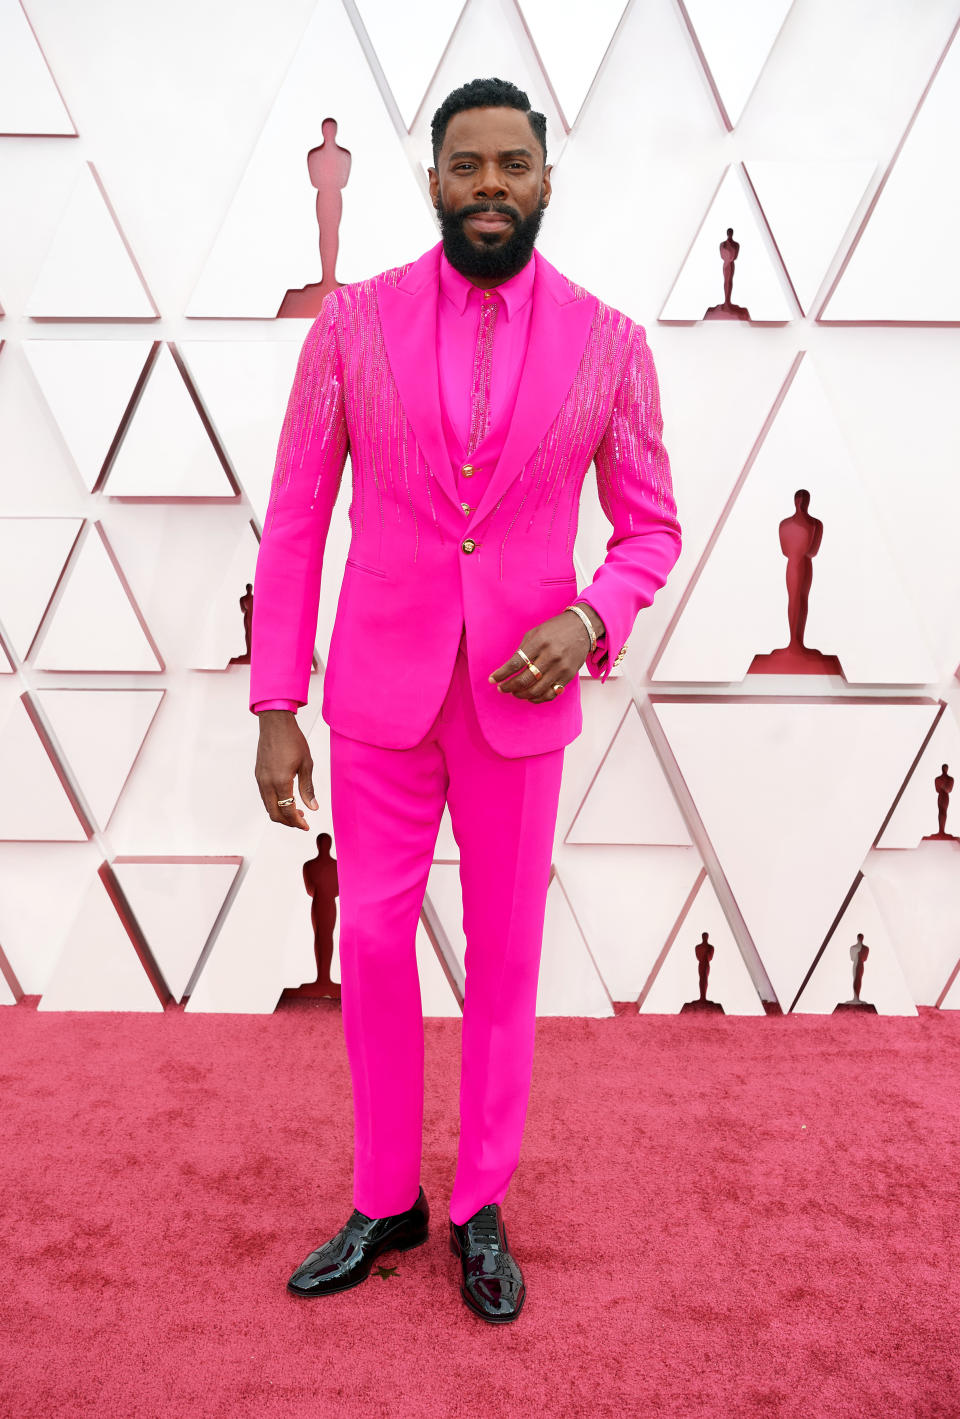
(729,251)
(323,888)
(800,538)
(329,169)
(943,783)
(859,952)
(703,951)
(246,606)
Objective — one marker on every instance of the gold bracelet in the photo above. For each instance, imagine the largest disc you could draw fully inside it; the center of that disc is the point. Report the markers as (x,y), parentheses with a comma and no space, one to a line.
(586,621)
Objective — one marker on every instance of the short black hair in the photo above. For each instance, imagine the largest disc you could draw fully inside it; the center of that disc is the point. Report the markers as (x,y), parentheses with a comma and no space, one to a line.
(485,93)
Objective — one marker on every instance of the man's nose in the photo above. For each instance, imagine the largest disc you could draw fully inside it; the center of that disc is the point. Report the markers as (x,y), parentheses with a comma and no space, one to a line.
(489,183)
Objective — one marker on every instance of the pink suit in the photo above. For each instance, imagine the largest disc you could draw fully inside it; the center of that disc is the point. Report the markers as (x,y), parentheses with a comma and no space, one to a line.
(433,598)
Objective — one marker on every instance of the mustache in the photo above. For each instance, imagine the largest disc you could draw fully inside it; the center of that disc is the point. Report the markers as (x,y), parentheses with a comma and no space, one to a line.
(476,208)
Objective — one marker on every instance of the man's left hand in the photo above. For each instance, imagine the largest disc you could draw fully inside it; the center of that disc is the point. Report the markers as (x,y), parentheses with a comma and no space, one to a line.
(557,647)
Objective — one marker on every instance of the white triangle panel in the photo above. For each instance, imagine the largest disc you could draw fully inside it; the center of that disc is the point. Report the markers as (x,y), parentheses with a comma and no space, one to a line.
(175,903)
(166,451)
(266,942)
(87,273)
(677,980)
(7,996)
(221,629)
(94,625)
(244,386)
(490,39)
(446,901)
(736,40)
(447,848)
(630,800)
(569,982)
(808,206)
(88,385)
(757,280)
(269,240)
(99,734)
(883,984)
(30,102)
(904,267)
(570,48)
(919,897)
(33,553)
(33,804)
(98,968)
(5,667)
(859,608)
(409,53)
(41,887)
(916,815)
(791,806)
(626,900)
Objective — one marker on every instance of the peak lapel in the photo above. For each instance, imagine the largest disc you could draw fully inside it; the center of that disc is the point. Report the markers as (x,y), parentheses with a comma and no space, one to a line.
(559,326)
(408,318)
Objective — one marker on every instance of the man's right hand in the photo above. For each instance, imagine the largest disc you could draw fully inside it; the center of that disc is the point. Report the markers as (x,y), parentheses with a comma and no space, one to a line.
(283,752)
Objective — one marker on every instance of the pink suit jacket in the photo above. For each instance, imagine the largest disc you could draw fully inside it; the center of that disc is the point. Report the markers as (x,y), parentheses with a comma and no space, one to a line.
(418,568)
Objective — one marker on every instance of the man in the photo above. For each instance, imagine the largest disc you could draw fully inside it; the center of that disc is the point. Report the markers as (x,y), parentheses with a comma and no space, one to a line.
(473,387)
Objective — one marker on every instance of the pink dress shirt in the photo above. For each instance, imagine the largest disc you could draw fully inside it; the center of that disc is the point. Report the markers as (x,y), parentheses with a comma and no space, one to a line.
(481,346)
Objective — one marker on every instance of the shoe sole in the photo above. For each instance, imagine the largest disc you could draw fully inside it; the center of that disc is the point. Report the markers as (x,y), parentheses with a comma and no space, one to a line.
(348,1285)
(468,1300)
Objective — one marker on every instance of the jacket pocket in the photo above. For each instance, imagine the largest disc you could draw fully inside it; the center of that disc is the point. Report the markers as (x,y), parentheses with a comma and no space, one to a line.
(558,580)
(361,567)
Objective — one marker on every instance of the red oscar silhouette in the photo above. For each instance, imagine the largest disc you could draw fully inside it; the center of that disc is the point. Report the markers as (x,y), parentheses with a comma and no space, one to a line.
(859,952)
(322,886)
(800,538)
(246,606)
(329,169)
(703,951)
(943,783)
(729,251)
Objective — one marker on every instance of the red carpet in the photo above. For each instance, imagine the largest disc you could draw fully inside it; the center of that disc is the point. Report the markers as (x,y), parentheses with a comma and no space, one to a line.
(715,1217)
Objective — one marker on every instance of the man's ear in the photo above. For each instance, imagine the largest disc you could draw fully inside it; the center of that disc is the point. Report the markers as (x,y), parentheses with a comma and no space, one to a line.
(546,183)
(434,177)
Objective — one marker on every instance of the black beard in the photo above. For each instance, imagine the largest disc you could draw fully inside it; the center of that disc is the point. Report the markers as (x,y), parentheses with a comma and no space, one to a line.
(502,259)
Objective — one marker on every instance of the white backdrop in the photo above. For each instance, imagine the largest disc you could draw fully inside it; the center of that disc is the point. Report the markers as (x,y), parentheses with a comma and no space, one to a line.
(155,208)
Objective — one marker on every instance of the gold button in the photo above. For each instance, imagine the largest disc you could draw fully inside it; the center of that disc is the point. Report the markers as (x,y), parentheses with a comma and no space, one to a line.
(486,295)
(468,545)
(467,470)
(466,507)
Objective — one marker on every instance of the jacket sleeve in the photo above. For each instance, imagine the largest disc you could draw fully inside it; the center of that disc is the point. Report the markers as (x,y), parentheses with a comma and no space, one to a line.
(636,494)
(311,454)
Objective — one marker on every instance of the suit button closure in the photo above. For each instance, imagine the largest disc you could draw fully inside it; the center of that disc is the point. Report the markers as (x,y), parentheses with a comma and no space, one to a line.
(468,470)
(468,544)
(466,507)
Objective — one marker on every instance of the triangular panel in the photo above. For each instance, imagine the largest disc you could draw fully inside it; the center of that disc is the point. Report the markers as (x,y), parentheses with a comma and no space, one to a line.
(33,805)
(98,968)
(677,980)
(734,40)
(409,53)
(88,273)
(99,733)
(571,51)
(629,800)
(883,983)
(30,102)
(33,554)
(95,624)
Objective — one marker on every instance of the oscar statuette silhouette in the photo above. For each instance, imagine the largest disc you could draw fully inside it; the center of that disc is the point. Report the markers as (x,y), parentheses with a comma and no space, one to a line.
(943,783)
(703,951)
(800,538)
(729,251)
(246,606)
(322,887)
(329,168)
(859,952)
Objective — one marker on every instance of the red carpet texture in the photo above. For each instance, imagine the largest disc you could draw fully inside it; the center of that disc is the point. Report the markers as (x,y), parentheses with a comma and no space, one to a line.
(715,1217)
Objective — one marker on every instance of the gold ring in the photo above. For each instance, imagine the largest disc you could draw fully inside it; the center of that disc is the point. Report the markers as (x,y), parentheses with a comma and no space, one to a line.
(559,689)
(285,802)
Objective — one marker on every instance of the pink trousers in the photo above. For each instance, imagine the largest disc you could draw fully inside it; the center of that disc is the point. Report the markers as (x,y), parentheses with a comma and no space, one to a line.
(387,805)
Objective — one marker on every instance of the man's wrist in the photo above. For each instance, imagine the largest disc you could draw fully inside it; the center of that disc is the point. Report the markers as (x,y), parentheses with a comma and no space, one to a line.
(596,620)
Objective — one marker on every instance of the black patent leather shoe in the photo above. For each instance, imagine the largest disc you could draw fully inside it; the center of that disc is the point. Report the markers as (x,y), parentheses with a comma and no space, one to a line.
(492,1283)
(347,1259)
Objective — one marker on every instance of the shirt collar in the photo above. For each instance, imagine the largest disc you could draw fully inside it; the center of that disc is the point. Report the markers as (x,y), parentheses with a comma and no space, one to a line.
(457,288)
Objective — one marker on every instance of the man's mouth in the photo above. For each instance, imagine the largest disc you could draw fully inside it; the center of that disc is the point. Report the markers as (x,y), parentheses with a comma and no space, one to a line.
(489,221)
